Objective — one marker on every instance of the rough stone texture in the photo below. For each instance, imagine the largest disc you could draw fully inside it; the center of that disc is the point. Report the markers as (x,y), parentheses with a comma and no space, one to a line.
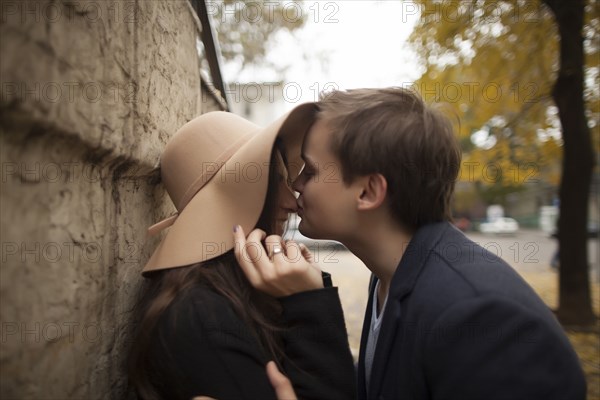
(91,91)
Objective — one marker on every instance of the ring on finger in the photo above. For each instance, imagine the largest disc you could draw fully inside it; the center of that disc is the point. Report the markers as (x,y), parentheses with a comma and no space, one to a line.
(276,250)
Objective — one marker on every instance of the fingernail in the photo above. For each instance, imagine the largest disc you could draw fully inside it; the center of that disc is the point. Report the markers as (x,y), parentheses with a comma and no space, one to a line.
(235,228)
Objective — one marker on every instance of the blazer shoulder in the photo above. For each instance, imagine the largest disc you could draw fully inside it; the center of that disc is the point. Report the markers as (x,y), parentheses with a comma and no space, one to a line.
(496,338)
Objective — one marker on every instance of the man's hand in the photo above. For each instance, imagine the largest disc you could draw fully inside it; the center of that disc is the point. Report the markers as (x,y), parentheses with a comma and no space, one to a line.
(281,384)
(280,269)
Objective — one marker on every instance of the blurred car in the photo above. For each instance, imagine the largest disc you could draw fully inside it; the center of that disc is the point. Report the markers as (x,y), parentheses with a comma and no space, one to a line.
(500,225)
(292,233)
(463,224)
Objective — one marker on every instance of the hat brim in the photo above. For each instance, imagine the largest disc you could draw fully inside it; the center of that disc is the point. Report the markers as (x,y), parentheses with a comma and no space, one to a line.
(234,196)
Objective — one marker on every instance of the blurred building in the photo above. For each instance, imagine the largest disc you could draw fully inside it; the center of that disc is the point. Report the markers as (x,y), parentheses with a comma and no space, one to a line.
(261,103)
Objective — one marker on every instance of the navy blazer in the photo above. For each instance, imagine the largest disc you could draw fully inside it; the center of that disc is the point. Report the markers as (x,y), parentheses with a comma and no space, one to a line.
(461,324)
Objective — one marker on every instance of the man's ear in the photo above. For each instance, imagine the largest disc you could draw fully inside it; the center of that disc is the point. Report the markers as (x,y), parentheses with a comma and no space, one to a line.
(374,192)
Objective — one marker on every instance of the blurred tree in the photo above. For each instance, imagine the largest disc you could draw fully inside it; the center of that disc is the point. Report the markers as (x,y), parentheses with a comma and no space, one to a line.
(515,72)
(245,27)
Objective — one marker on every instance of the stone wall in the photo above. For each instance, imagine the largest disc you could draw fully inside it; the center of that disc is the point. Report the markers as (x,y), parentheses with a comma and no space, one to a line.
(91,91)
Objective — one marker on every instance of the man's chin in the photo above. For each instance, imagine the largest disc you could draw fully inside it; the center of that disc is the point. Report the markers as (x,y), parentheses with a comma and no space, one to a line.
(302,228)
(308,232)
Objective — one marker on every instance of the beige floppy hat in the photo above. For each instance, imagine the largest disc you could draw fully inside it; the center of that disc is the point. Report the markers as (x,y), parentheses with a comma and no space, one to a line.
(216,170)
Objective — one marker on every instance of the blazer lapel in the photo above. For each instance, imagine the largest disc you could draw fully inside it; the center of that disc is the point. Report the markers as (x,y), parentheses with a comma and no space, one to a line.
(361,383)
(387,335)
(418,250)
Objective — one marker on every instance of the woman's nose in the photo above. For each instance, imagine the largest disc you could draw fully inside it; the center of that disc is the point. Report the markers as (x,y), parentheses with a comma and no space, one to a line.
(288,200)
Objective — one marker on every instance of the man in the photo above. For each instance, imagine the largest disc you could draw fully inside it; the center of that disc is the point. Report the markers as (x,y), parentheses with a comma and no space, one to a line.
(445,319)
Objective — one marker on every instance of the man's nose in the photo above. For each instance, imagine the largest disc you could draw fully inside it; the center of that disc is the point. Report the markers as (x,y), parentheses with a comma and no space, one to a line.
(296,185)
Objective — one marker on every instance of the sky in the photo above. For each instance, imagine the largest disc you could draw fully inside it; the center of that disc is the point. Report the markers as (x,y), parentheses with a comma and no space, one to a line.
(363,43)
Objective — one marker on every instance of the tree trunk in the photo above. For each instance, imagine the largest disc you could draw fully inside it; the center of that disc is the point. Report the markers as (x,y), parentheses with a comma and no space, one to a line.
(575,307)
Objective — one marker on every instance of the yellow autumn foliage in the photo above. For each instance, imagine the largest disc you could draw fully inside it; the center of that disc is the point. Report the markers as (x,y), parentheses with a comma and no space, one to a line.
(493,63)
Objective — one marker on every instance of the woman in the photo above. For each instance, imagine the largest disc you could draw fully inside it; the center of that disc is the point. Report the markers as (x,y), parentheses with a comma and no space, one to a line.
(204,330)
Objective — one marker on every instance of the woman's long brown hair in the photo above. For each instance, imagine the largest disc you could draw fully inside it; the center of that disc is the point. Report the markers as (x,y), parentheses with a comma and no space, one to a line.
(223,275)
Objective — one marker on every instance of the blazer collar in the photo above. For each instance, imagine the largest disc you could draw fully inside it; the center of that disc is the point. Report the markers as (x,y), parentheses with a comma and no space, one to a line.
(423,242)
(361,381)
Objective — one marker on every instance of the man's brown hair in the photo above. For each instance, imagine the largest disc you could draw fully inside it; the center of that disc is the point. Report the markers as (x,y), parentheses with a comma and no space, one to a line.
(393,132)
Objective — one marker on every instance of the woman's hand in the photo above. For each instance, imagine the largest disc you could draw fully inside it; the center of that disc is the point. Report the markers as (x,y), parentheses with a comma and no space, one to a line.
(280,269)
